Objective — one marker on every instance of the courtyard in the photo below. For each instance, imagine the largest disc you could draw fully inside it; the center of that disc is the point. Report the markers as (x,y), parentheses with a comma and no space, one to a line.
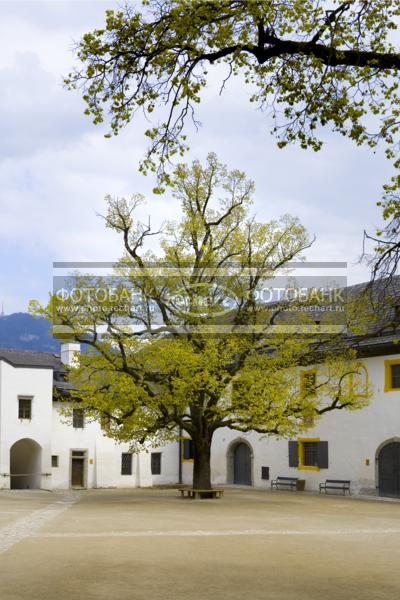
(150,544)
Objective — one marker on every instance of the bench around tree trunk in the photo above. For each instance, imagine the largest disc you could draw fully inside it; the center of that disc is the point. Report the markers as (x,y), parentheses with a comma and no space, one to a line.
(202,494)
(335,484)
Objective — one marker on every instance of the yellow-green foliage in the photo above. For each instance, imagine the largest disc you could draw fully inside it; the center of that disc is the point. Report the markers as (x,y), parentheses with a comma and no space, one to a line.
(309,64)
(200,366)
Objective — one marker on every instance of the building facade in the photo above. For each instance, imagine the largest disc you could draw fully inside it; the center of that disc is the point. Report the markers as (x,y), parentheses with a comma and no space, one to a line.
(40,448)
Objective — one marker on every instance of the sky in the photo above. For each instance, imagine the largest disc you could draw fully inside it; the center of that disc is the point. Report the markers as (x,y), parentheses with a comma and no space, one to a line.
(56,167)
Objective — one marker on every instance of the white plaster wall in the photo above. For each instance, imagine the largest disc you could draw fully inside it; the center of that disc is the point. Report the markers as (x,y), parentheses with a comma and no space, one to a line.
(169,464)
(353,437)
(38,384)
(103,465)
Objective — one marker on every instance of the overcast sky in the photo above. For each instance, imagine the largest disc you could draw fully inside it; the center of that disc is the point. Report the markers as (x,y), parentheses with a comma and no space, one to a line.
(56,167)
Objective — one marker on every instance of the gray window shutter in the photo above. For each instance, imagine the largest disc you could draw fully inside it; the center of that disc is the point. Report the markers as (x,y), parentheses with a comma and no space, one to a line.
(323,461)
(293,454)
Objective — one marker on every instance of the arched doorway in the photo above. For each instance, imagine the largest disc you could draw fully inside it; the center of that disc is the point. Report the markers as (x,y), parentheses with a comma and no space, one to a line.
(25,465)
(240,459)
(389,470)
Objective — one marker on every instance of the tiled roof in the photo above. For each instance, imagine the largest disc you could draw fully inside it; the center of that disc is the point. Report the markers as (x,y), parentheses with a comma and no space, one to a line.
(31,358)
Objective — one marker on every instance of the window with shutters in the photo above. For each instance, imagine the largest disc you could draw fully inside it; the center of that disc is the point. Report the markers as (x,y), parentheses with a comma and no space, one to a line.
(78,418)
(156,463)
(392,375)
(126,463)
(25,408)
(187,450)
(308,454)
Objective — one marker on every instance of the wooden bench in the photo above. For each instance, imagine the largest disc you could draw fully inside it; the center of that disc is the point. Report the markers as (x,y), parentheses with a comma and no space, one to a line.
(193,494)
(287,482)
(335,484)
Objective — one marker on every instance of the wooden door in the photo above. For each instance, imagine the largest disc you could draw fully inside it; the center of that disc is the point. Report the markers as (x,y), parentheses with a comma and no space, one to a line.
(242,464)
(77,472)
(389,470)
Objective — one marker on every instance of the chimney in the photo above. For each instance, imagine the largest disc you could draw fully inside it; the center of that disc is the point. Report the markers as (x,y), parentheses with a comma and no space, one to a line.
(68,352)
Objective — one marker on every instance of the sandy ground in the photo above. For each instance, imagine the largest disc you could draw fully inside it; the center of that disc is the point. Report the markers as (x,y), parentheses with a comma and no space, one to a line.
(150,544)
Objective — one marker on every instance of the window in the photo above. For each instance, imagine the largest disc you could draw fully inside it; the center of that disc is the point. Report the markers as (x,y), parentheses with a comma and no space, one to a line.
(156,463)
(77,418)
(187,450)
(395,376)
(308,382)
(392,375)
(264,472)
(54,461)
(24,408)
(308,454)
(126,463)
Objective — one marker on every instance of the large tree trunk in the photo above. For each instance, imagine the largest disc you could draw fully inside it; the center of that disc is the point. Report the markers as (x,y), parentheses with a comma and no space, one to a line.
(201,465)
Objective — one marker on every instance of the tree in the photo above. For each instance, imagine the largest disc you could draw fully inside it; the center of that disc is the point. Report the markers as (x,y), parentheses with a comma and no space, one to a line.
(309,62)
(189,344)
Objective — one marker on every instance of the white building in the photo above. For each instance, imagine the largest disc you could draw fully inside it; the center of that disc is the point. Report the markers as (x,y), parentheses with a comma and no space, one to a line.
(39,448)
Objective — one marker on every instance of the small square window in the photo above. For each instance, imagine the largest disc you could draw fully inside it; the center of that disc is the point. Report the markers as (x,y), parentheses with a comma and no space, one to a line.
(24,408)
(78,418)
(264,472)
(156,463)
(126,463)
(54,461)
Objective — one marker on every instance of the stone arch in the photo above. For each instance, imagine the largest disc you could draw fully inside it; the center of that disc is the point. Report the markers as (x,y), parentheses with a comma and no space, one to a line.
(25,465)
(240,449)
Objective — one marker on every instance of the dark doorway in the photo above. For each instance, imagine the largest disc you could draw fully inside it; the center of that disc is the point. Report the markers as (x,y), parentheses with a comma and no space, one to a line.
(389,470)
(78,469)
(242,464)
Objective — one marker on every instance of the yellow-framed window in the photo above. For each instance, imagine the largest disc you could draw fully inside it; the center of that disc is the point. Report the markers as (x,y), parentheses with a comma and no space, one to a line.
(308,454)
(187,454)
(392,375)
(308,383)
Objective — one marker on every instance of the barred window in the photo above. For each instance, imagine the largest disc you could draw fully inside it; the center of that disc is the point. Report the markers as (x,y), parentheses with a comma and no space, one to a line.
(395,377)
(54,461)
(310,454)
(156,463)
(78,418)
(126,463)
(24,408)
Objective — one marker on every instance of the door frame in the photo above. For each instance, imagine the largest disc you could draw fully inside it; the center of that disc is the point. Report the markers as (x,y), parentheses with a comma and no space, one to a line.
(85,467)
(230,460)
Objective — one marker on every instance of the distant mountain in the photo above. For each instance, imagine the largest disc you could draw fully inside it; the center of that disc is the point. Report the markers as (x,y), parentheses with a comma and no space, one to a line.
(21,330)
